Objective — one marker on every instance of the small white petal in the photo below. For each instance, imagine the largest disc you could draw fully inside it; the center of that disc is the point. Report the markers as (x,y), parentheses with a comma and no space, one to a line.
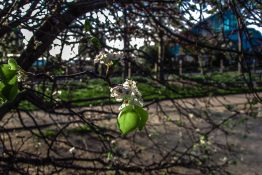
(119,99)
(71,150)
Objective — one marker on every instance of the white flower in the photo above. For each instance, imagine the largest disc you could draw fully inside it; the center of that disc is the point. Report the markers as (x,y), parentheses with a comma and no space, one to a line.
(21,75)
(102,58)
(135,95)
(130,84)
(72,150)
(56,93)
(119,93)
(115,56)
(106,58)
(128,93)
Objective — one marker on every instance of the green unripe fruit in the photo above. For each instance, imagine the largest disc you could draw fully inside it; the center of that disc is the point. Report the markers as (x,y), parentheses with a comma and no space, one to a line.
(127,121)
(130,118)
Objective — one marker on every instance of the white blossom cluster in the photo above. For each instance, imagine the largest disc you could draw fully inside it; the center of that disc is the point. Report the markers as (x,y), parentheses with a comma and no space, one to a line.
(107,57)
(21,75)
(127,93)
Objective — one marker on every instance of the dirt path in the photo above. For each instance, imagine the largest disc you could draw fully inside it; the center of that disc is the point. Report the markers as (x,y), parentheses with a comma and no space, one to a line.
(246,137)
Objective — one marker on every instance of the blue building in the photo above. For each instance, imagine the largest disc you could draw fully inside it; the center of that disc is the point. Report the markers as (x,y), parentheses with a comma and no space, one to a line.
(216,23)
(219,30)
(40,63)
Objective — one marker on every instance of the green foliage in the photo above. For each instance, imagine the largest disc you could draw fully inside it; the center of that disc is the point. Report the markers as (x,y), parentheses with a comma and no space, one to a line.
(50,133)
(83,129)
(143,115)
(179,123)
(80,92)
(8,81)
(226,77)
(110,155)
(93,89)
(6,73)
(87,26)
(47,133)
(130,118)
(13,65)
(95,41)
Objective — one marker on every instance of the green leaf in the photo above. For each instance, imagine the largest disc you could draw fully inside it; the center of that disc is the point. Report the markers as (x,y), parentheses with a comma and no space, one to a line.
(2,98)
(95,41)
(13,92)
(13,81)
(12,63)
(143,115)
(9,92)
(2,85)
(6,74)
(8,81)
(87,25)
(128,121)
(109,155)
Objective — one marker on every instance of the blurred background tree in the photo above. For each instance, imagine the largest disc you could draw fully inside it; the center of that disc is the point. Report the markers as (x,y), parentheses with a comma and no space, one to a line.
(186,57)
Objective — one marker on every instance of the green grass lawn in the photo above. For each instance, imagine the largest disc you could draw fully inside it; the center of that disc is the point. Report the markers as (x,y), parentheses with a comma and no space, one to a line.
(226,77)
(96,91)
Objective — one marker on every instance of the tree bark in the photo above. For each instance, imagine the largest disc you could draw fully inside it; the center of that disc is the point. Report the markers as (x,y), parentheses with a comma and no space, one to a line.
(55,24)
(221,70)
(159,64)
(127,67)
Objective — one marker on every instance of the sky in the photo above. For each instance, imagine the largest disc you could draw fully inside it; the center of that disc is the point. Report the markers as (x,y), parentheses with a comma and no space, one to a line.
(68,52)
